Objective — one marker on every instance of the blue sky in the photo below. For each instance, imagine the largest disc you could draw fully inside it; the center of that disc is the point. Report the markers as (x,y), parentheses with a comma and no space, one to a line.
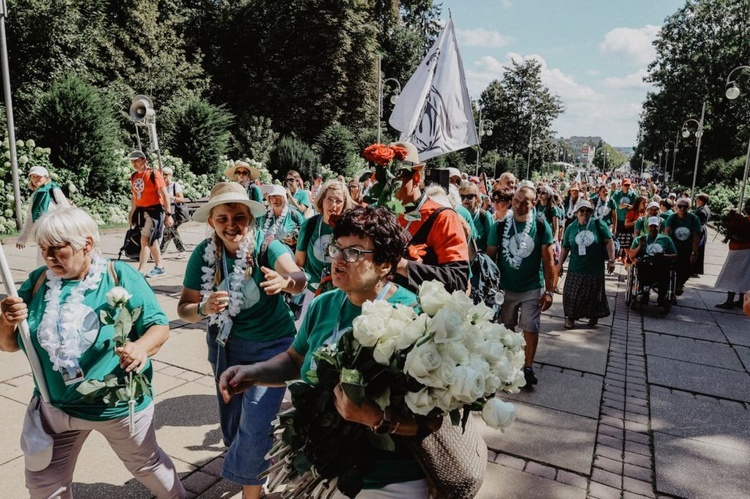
(594,54)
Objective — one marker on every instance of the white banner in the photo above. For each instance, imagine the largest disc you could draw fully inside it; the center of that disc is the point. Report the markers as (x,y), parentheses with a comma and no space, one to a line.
(434,111)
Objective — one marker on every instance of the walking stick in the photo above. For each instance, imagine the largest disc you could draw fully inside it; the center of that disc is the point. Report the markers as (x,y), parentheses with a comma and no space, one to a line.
(23,327)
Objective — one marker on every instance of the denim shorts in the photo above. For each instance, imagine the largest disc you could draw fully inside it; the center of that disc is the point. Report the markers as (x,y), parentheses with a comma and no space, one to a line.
(246,419)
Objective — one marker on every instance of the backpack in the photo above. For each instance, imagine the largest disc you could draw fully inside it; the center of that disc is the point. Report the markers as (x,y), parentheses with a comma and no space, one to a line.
(132,244)
(485,280)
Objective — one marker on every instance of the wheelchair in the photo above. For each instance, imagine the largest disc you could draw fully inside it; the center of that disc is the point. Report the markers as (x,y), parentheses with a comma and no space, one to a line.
(638,292)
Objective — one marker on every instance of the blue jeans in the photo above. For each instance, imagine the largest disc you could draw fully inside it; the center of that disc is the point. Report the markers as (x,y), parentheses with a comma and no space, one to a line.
(246,419)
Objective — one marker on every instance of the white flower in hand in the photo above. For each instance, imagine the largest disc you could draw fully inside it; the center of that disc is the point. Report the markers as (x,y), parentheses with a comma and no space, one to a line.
(433,296)
(469,384)
(421,361)
(384,350)
(446,325)
(118,296)
(411,332)
(369,328)
(420,402)
(498,414)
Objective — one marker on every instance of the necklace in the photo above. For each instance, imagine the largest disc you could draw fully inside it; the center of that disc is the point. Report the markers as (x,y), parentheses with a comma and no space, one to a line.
(524,244)
(58,332)
(271,231)
(602,210)
(234,280)
(571,206)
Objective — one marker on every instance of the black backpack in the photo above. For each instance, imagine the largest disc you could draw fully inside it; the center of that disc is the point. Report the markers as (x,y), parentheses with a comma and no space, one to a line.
(485,280)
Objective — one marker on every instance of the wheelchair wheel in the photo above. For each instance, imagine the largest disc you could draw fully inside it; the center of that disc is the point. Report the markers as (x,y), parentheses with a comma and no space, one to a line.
(631,292)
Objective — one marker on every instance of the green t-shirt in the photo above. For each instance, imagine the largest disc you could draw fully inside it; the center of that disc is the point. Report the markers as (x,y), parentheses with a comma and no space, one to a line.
(98,345)
(681,231)
(593,236)
(484,224)
(261,317)
(316,248)
(529,274)
(660,244)
(666,214)
(603,209)
(302,197)
(548,213)
(292,221)
(466,215)
(254,193)
(326,312)
(619,198)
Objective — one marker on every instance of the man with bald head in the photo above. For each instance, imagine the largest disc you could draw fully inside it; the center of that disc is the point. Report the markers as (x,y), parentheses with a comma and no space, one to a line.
(506,181)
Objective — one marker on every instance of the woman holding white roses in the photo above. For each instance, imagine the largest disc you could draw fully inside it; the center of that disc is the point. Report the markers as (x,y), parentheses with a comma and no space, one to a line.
(367,245)
(235,278)
(66,304)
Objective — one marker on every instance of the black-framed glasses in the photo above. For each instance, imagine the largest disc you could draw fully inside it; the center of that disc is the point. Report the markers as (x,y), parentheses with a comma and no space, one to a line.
(681,206)
(291,179)
(500,199)
(350,255)
(468,196)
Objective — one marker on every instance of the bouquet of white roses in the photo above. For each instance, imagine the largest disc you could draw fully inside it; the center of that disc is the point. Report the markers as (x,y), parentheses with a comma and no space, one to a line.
(448,358)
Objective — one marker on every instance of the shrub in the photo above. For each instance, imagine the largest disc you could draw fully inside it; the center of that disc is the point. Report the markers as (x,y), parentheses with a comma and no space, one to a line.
(293,154)
(198,132)
(338,149)
(78,124)
(254,138)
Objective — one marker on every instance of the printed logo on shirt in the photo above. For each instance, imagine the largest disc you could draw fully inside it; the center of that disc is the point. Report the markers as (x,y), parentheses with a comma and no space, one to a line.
(138,186)
(250,292)
(682,233)
(320,248)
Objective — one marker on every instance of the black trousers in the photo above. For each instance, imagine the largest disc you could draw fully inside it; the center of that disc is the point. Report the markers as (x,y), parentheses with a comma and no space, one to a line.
(654,273)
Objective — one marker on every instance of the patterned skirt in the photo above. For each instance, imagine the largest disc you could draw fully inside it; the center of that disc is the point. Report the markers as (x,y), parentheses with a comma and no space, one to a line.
(625,238)
(584,296)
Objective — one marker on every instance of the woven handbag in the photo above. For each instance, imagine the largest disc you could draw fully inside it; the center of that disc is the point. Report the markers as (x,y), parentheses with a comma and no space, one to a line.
(454,460)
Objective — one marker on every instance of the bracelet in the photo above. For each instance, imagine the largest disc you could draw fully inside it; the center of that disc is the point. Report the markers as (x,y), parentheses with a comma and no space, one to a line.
(394,428)
(549,293)
(384,425)
(200,309)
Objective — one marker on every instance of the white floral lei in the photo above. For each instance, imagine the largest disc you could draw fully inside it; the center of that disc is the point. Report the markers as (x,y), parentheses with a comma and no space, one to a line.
(269,231)
(57,332)
(506,237)
(599,203)
(571,206)
(234,281)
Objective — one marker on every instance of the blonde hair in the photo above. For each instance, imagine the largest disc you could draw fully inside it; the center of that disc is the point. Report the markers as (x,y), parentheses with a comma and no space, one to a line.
(249,258)
(335,185)
(66,225)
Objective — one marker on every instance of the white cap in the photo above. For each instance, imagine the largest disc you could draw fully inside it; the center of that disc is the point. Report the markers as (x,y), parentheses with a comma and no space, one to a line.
(654,221)
(275,190)
(167,170)
(39,170)
(652,204)
(583,204)
(453,172)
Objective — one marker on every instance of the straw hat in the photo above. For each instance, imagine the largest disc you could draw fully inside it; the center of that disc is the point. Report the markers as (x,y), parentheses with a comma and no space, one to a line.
(228,193)
(254,172)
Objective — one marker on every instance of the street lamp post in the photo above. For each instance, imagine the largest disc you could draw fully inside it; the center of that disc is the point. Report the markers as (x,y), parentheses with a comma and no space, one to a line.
(732,93)
(381,85)
(660,153)
(485,128)
(9,114)
(531,145)
(674,151)
(698,135)
(666,155)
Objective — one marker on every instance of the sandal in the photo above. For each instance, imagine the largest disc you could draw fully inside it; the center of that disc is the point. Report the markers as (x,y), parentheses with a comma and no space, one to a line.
(727,305)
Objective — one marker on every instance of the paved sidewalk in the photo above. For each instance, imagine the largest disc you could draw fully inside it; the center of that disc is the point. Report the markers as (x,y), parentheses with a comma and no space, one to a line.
(644,405)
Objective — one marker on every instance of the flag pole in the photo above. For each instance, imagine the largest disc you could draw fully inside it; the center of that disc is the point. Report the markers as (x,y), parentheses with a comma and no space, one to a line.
(23,327)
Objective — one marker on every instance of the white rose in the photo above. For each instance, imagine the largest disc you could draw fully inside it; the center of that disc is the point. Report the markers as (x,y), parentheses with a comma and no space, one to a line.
(446,325)
(455,351)
(504,369)
(433,296)
(481,313)
(468,385)
(420,402)
(368,329)
(378,308)
(384,350)
(492,351)
(492,384)
(422,360)
(412,332)
(514,384)
(498,414)
(460,303)
(403,313)
(513,340)
(118,296)
(444,400)
(444,376)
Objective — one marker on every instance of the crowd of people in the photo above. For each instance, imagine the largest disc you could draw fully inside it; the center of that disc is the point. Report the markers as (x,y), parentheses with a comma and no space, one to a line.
(287,268)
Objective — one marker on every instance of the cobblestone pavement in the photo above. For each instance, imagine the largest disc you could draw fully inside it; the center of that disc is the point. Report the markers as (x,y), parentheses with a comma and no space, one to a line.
(643,405)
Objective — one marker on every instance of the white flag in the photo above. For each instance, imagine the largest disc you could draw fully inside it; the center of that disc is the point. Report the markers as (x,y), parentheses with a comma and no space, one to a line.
(433,111)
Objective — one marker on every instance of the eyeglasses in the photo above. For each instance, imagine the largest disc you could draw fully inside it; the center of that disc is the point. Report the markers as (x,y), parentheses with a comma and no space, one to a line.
(468,196)
(333,201)
(291,179)
(681,207)
(500,199)
(242,173)
(350,255)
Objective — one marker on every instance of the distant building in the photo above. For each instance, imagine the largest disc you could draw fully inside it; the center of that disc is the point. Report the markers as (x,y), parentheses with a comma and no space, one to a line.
(584,148)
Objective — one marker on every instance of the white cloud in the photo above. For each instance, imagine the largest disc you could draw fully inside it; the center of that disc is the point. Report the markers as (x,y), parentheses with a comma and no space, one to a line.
(482,38)
(631,81)
(634,44)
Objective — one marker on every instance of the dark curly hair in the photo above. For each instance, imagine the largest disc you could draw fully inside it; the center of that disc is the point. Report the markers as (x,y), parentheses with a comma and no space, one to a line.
(378,224)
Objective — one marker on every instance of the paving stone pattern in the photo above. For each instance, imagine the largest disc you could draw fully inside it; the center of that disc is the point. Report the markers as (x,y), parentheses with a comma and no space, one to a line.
(644,405)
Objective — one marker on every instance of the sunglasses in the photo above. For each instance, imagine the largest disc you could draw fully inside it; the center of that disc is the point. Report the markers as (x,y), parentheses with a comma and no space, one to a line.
(468,196)
(242,173)
(682,207)
(500,199)
(291,179)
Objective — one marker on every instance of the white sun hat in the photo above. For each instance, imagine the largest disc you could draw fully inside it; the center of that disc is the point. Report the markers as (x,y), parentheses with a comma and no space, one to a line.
(228,193)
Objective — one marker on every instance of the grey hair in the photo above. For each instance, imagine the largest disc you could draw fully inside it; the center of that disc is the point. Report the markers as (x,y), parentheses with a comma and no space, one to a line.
(66,225)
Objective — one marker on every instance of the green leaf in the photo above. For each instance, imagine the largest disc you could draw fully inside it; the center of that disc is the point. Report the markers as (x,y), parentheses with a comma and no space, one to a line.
(89,387)
(136,313)
(355,392)
(351,376)
(384,399)
(105,318)
(123,394)
(382,442)
(455,417)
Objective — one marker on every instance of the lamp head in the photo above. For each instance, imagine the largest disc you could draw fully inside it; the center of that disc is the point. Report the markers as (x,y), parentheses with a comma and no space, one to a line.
(685,133)
(488,132)
(394,98)
(699,133)
(733,92)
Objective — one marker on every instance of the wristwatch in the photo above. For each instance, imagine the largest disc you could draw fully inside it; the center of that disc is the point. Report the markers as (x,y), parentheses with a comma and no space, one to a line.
(385,424)
(549,293)
(200,308)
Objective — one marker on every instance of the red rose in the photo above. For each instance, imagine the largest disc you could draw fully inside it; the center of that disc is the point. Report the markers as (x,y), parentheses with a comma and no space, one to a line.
(379,154)
(399,152)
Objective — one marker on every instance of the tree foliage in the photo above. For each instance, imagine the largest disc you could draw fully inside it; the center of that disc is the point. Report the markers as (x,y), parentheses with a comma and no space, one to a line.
(254,138)
(78,124)
(293,154)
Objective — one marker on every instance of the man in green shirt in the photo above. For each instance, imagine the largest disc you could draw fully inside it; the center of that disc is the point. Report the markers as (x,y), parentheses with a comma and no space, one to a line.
(522,245)
(685,230)
(653,253)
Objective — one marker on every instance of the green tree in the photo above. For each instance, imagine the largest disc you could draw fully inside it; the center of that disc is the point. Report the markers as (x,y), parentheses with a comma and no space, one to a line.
(337,148)
(78,124)
(293,154)
(254,138)
(522,110)
(198,132)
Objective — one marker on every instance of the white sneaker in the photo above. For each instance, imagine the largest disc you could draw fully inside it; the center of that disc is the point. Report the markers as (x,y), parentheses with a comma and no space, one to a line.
(179,256)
